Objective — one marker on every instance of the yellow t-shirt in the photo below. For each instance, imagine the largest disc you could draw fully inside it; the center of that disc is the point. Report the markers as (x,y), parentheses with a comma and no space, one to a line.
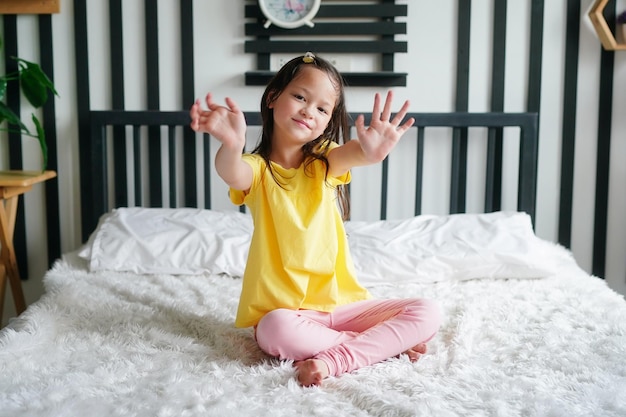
(299,256)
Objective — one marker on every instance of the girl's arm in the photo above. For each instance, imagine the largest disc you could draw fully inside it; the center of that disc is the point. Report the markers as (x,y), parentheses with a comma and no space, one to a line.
(374,142)
(227,125)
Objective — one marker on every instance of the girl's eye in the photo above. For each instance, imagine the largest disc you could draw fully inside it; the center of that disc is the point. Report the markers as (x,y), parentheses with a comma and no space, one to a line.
(322,110)
(298,97)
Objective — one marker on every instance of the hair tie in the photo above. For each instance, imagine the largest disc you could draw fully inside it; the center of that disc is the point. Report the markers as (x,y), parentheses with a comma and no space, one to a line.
(308,58)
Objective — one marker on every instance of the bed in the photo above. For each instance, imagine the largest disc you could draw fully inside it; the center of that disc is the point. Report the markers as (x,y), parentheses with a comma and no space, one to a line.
(139,320)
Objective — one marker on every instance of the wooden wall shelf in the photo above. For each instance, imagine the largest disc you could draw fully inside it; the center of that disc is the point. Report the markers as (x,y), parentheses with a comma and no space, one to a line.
(606,35)
(352,79)
(348,27)
(30,6)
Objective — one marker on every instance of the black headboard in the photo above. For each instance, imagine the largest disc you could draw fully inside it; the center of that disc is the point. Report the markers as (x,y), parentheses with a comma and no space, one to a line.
(104,159)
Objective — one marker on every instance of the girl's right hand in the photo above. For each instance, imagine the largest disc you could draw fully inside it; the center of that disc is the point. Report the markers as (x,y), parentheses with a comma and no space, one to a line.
(226,123)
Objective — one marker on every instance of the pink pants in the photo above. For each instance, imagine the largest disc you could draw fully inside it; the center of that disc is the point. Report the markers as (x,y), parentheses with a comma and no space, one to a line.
(352,336)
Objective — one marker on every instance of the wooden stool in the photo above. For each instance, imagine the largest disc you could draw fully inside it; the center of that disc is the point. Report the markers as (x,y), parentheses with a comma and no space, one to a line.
(12,185)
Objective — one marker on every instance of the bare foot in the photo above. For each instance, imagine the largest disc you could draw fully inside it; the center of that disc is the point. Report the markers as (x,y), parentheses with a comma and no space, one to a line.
(416,352)
(311,371)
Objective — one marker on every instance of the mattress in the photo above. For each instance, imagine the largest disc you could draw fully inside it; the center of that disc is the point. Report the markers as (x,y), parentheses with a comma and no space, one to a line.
(525,332)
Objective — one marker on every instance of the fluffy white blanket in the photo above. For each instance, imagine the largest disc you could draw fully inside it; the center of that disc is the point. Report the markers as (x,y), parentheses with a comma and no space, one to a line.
(118,344)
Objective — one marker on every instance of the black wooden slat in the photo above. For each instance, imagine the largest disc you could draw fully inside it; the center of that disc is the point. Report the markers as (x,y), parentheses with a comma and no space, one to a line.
(536,59)
(455,119)
(12,93)
(535,56)
(152,53)
(171,141)
(117,98)
(499,55)
(297,46)
(137,165)
(419,170)
(387,61)
(92,203)
(93,166)
(188,97)
(352,79)
(527,177)
(344,29)
(459,135)
(187,52)
(263,62)
(528,189)
(458,177)
(140,118)
(498,59)
(152,76)
(329,10)
(51,187)
(383,191)
(116,53)
(155,190)
(568,141)
(207,171)
(493,190)
(493,186)
(15,143)
(119,165)
(603,161)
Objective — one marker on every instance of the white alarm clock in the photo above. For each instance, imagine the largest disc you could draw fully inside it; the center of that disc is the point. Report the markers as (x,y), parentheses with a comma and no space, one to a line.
(289,14)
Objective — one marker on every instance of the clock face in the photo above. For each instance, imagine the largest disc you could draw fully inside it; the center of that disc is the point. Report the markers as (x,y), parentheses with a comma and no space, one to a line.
(289,11)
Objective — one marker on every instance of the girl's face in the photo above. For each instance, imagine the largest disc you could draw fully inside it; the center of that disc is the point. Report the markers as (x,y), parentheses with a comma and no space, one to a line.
(304,108)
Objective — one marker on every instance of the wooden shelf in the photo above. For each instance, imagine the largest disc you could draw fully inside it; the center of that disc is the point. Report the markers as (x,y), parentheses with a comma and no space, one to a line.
(367,27)
(353,79)
(30,6)
(607,37)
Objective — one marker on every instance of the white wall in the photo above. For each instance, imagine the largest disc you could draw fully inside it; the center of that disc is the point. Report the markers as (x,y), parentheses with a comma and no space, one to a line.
(220,64)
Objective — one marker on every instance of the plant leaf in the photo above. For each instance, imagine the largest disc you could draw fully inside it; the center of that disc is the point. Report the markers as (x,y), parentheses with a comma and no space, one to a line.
(35,83)
(33,90)
(41,135)
(7,114)
(37,72)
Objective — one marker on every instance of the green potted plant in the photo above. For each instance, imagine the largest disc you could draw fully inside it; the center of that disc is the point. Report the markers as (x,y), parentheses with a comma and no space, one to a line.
(34,84)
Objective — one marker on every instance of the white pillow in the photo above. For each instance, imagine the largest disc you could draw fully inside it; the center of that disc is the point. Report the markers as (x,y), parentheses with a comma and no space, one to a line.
(430,248)
(425,248)
(170,241)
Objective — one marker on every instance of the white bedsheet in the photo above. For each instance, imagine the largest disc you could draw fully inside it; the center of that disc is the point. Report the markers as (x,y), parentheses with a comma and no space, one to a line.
(119,344)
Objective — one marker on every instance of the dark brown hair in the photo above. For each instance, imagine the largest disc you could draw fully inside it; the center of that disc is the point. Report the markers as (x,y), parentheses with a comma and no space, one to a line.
(337,130)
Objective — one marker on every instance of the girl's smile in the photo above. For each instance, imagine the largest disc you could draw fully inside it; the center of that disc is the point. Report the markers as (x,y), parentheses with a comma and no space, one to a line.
(303,123)
(303,109)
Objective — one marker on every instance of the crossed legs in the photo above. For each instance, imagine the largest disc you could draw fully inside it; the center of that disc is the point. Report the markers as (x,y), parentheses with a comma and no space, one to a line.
(354,335)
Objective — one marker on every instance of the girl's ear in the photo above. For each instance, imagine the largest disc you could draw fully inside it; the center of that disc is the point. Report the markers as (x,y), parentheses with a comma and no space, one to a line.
(270,100)
(271,97)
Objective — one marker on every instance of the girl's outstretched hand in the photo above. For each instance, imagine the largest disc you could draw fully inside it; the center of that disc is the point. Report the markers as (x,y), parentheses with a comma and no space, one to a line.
(379,138)
(226,123)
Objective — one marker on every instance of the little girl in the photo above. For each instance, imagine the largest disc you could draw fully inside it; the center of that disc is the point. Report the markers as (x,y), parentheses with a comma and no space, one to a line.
(300,290)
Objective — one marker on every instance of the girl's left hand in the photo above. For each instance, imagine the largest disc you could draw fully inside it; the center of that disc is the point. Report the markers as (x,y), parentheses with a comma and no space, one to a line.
(379,138)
